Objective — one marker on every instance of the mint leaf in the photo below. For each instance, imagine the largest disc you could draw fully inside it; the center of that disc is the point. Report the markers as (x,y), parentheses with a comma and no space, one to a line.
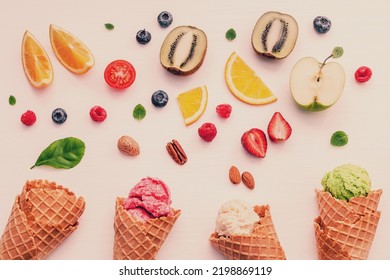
(12,100)
(64,153)
(139,112)
(109,26)
(337,52)
(230,34)
(339,138)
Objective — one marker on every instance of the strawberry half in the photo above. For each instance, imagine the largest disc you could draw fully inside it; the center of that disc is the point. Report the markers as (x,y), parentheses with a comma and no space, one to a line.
(279,129)
(254,142)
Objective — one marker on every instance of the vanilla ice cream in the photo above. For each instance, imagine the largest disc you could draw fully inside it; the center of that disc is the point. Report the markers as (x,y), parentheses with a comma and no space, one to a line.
(236,217)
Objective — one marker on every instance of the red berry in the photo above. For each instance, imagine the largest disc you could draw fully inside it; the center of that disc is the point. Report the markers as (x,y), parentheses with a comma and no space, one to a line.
(224,110)
(207,132)
(279,129)
(363,74)
(28,118)
(254,142)
(98,114)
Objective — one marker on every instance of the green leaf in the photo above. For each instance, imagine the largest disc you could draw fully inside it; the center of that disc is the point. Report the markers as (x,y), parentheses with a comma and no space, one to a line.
(139,112)
(337,52)
(339,138)
(64,153)
(12,100)
(230,34)
(109,26)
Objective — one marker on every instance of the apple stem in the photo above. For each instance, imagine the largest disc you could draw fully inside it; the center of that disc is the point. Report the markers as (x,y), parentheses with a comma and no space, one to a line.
(326,59)
(322,65)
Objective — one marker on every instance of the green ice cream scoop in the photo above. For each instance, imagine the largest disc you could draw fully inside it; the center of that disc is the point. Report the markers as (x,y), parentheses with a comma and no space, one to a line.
(347,181)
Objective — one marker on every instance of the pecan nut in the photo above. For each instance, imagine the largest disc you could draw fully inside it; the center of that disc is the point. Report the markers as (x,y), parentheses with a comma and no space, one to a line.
(176,152)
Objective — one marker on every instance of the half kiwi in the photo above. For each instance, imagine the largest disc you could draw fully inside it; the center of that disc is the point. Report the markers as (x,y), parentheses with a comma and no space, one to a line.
(183,50)
(275,35)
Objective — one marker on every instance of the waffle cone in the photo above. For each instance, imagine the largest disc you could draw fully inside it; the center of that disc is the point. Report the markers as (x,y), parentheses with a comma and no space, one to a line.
(346,230)
(261,244)
(42,217)
(136,240)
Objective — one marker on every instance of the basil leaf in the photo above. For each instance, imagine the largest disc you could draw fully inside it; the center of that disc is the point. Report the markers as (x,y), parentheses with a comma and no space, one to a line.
(64,153)
(139,112)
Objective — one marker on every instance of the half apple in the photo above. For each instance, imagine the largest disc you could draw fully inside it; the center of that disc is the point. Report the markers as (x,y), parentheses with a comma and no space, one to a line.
(316,86)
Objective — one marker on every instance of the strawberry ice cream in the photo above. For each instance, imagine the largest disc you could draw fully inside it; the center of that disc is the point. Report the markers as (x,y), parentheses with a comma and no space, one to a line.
(149,199)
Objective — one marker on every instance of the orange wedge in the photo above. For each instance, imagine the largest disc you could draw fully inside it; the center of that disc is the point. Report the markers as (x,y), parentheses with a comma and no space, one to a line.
(193,103)
(70,51)
(245,84)
(36,63)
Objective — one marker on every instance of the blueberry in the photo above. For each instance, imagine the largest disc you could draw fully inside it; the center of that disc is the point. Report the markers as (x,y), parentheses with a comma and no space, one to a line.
(165,19)
(160,98)
(59,116)
(143,36)
(322,24)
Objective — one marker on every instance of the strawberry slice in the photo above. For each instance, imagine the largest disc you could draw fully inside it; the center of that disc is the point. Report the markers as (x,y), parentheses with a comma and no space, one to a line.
(279,129)
(254,142)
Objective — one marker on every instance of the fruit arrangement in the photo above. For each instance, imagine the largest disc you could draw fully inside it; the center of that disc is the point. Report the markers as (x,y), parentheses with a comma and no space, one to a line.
(314,86)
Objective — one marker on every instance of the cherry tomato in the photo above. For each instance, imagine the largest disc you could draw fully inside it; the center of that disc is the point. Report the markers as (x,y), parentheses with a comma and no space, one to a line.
(119,74)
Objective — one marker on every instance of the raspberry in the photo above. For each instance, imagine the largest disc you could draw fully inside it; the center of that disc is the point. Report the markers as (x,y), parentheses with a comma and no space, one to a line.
(98,114)
(224,110)
(28,118)
(363,74)
(207,132)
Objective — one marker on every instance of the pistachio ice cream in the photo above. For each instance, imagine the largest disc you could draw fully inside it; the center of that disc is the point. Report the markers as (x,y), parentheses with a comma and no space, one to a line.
(347,181)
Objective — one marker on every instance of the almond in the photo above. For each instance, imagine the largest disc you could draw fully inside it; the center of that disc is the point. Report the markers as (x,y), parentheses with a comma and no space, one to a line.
(128,146)
(248,180)
(234,175)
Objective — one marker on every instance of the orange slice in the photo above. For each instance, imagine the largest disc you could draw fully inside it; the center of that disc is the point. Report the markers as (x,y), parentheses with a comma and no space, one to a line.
(70,51)
(36,63)
(245,84)
(193,103)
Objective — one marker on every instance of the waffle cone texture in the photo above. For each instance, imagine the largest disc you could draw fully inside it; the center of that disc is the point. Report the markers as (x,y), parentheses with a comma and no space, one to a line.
(261,244)
(42,217)
(345,230)
(136,240)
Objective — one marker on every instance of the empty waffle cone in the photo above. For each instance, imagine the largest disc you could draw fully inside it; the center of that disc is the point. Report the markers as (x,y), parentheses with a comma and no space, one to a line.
(136,240)
(346,230)
(262,244)
(42,217)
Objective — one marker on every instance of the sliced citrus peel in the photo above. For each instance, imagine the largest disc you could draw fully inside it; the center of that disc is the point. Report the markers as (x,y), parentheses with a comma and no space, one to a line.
(70,51)
(193,103)
(36,62)
(245,84)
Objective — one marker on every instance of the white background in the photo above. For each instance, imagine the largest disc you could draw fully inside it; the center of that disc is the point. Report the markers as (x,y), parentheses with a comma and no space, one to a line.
(285,179)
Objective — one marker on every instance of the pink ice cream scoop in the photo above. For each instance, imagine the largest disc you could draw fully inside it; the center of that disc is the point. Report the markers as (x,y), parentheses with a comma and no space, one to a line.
(149,199)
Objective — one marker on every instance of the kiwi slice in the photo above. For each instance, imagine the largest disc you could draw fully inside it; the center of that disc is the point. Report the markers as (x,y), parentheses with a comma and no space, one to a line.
(183,50)
(275,35)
